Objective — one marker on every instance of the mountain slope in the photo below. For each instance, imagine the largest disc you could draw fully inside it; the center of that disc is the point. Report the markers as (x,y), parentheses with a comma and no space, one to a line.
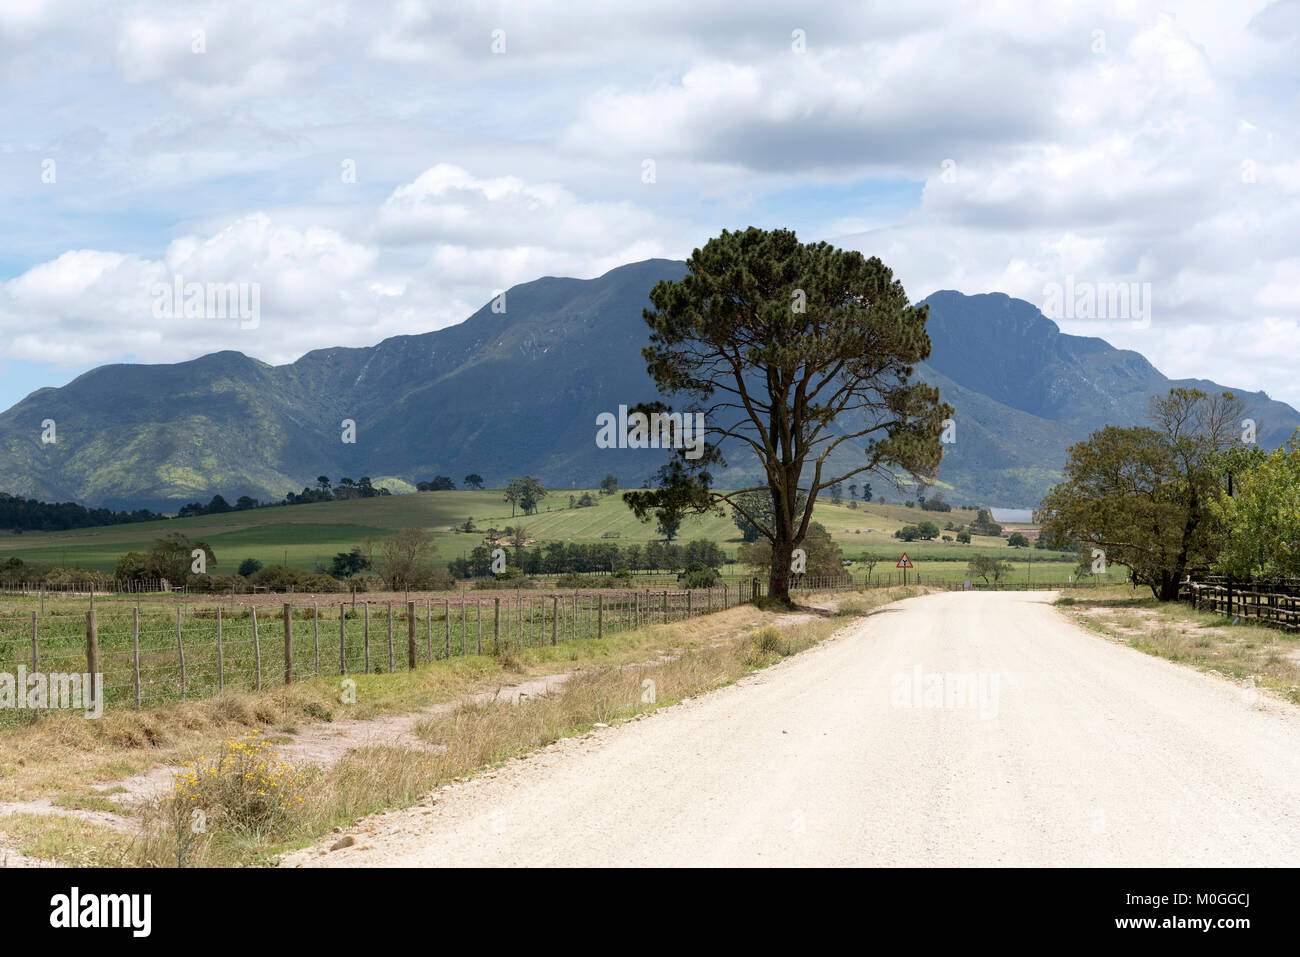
(519,392)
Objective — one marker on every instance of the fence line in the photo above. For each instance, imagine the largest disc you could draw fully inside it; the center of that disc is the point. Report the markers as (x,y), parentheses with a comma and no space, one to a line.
(1274,602)
(191,651)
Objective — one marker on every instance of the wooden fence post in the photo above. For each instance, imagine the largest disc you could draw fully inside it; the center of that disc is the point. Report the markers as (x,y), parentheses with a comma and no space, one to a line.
(390,638)
(221,651)
(410,635)
(428,622)
(365,639)
(600,615)
(555,619)
(288,643)
(446,615)
(496,625)
(92,644)
(257,653)
(343,639)
(180,651)
(36,658)
(135,654)
(315,637)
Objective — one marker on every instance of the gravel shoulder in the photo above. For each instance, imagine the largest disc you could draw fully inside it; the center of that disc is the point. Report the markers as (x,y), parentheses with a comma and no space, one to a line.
(1078,751)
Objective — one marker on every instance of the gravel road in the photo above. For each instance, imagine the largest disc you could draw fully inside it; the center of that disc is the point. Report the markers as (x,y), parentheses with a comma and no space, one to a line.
(1043,745)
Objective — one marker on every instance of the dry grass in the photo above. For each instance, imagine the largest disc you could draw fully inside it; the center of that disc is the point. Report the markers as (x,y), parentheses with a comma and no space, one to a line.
(65,754)
(63,750)
(1177,632)
(66,840)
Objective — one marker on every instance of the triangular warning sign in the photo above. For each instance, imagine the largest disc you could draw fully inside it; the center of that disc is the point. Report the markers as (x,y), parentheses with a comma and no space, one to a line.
(904,562)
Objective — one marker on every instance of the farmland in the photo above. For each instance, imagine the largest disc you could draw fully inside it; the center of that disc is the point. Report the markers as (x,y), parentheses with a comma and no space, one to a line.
(307,536)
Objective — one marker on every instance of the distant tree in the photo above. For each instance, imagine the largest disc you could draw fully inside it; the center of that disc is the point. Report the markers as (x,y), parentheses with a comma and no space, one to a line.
(170,557)
(908,533)
(518,537)
(866,492)
(1018,540)
(249,567)
(988,568)
(935,503)
(608,485)
(217,506)
(525,493)
(404,555)
(853,491)
(245,502)
(984,524)
(963,538)
(837,493)
(347,564)
(929,530)
(467,525)
(473,480)
(323,483)
(704,552)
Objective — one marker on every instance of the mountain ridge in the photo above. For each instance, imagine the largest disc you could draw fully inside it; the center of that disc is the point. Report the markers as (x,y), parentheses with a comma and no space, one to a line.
(506,394)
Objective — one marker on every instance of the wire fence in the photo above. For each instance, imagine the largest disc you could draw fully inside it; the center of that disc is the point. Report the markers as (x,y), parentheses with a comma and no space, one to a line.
(154,655)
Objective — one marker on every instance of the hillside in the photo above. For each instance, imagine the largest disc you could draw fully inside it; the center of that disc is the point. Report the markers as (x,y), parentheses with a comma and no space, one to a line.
(304,536)
(518,393)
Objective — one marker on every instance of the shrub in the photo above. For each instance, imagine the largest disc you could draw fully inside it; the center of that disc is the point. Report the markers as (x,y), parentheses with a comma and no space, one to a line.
(698,575)
(244,789)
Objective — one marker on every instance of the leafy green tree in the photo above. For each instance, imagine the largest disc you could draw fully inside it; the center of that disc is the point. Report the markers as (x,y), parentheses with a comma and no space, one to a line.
(1145,496)
(249,567)
(984,524)
(963,537)
(823,558)
(525,493)
(1262,516)
(1018,540)
(608,485)
(988,568)
(791,351)
(473,480)
(347,564)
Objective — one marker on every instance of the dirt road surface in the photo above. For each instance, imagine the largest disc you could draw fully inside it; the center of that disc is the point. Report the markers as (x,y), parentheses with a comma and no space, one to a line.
(1045,745)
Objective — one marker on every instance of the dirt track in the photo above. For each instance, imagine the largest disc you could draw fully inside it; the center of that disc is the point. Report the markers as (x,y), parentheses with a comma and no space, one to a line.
(1078,752)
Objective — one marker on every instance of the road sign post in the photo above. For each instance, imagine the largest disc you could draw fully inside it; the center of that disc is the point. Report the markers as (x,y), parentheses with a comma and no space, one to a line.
(904,563)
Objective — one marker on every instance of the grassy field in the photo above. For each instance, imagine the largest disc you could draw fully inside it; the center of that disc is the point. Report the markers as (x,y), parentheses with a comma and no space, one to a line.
(305,536)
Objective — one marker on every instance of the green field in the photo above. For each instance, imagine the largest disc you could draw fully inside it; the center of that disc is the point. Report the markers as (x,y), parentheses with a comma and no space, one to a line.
(305,536)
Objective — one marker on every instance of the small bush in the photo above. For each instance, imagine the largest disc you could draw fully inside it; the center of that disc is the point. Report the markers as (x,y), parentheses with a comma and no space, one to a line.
(243,789)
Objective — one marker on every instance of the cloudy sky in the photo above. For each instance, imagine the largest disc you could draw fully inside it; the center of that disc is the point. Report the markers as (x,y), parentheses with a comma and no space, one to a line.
(385,167)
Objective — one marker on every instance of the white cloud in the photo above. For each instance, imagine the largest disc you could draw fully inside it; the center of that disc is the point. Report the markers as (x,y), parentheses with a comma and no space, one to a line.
(1168,156)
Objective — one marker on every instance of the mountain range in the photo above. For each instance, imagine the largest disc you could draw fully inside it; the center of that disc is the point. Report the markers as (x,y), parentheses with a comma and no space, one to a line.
(510,393)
